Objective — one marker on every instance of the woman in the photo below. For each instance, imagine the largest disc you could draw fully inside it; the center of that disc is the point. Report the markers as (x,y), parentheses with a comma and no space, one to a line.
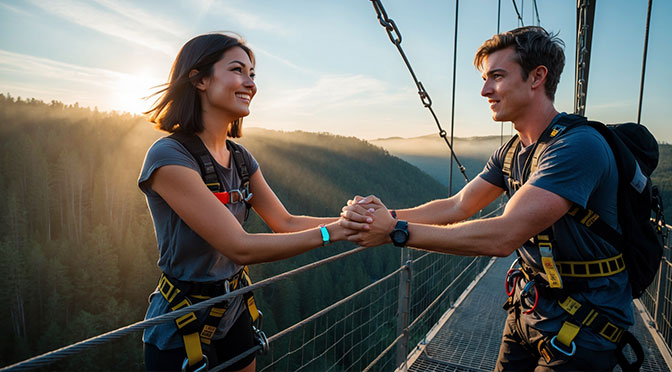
(202,244)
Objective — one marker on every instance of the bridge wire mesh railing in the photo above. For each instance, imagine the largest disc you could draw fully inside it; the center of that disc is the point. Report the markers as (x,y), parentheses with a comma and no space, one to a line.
(657,299)
(347,335)
(360,331)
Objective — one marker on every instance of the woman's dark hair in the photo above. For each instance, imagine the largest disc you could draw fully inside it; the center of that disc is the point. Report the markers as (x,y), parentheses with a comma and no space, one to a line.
(178,107)
(534,47)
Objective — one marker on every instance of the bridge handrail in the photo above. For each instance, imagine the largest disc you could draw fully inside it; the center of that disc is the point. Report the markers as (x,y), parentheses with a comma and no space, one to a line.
(55,355)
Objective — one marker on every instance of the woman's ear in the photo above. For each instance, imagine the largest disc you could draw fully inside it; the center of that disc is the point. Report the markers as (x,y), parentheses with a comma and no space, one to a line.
(198,83)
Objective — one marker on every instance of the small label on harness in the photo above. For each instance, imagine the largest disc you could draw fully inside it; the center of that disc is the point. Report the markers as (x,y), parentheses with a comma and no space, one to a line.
(639,179)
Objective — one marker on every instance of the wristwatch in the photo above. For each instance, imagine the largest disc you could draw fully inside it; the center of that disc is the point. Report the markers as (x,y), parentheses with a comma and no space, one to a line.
(399,235)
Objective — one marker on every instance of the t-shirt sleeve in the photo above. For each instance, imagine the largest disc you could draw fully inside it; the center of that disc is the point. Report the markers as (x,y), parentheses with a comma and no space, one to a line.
(492,172)
(164,151)
(573,166)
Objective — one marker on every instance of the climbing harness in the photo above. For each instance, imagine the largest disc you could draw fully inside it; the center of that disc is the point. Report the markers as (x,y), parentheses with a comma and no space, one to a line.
(208,168)
(181,294)
(197,337)
(557,280)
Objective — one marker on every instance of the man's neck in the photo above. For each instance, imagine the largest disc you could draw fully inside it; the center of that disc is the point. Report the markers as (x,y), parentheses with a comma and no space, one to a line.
(533,125)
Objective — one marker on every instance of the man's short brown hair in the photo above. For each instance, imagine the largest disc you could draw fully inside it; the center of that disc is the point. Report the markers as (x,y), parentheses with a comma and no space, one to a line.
(533,47)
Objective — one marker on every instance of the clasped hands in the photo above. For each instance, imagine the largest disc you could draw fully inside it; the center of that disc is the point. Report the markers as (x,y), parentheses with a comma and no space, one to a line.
(367,221)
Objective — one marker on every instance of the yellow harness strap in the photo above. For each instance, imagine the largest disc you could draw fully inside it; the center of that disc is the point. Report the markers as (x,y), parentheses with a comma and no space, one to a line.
(581,315)
(188,322)
(592,269)
(546,253)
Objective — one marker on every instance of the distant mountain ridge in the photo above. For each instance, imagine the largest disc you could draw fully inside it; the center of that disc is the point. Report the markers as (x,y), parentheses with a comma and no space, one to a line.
(431,154)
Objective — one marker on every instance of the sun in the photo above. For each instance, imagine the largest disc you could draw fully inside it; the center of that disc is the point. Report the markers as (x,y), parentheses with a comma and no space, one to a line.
(129,91)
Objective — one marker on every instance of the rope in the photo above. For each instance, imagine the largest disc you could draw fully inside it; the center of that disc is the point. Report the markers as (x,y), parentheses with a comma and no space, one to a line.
(53,356)
(646,46)
(395,37)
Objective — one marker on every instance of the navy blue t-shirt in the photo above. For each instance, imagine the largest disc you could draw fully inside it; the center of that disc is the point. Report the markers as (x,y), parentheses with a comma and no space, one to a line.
(580,167)
(183,254)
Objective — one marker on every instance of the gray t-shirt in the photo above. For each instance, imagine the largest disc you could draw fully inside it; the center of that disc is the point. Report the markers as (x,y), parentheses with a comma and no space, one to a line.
(580,167)
(183,254)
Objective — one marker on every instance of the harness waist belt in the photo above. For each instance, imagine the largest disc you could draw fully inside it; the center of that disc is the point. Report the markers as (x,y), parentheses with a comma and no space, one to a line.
(592,269)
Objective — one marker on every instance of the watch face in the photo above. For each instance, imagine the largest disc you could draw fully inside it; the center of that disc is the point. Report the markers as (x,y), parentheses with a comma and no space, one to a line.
(399,237)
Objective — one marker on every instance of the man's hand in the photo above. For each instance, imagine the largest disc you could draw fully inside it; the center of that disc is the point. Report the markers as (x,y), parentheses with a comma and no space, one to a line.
(370,218)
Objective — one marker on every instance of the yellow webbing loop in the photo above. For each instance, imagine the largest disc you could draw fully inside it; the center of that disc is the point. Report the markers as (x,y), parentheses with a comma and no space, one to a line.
(192,345)
(611,332)
(568,332)
(546,253)
(249,298)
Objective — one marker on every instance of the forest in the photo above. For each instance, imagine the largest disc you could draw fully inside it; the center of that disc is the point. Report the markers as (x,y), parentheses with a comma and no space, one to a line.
(78,247)
(77,243)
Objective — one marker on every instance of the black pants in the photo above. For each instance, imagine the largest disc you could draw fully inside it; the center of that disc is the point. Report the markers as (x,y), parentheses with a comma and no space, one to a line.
(239,339)
(518,352)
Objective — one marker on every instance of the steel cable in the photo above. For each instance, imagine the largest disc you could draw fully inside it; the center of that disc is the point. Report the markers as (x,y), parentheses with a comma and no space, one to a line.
(55,355)
(395,37)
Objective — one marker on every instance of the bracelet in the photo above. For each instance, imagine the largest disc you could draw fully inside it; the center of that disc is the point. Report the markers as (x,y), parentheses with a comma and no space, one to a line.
(394,214)
(325,235)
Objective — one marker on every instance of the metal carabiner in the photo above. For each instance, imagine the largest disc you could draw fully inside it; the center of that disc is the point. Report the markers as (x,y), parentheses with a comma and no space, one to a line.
(525,293)
(562,351)
(202,368)
(511,281)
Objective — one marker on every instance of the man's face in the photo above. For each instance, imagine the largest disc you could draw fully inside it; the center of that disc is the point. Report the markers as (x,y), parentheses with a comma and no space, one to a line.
(508,94)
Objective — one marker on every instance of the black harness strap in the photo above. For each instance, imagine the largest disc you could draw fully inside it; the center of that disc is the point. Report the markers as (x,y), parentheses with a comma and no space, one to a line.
(207,164)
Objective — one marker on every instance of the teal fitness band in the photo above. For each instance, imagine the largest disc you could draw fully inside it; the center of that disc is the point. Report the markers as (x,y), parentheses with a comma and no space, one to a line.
(325,235)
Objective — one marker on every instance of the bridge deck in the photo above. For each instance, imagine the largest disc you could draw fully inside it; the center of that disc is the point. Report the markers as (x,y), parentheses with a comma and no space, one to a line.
(469,340)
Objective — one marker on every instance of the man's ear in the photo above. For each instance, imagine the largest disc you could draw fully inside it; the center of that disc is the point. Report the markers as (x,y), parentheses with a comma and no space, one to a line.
(538,76)
(198,83)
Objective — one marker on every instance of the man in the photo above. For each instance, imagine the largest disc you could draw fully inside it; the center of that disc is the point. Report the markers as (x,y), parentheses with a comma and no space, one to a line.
(521,69)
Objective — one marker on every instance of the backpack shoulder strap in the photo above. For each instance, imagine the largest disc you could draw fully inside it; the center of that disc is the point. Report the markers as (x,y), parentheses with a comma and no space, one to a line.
(243,172)
(205,161)
(511,148)
(239,160)
(565,123)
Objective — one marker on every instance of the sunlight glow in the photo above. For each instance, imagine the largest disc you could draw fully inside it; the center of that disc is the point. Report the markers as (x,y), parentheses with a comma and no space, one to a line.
(129,90)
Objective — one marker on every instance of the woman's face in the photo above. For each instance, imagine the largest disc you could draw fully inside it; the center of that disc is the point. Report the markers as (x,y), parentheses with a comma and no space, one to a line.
(231,86)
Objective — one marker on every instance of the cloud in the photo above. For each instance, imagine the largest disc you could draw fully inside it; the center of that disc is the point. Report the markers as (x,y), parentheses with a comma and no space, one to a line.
(18,65)
(248,20)
(119,20)
(334,92)
(46,79)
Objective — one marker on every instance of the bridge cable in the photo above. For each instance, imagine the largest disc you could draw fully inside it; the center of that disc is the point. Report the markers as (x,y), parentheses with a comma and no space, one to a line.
(309,319)
(452,108)
(417,319)
(536,11)
(395,37)
(55,355)
(520,18)
(646,45)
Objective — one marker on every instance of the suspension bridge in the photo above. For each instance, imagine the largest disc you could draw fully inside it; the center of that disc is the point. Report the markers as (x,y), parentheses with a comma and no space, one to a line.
(434,312)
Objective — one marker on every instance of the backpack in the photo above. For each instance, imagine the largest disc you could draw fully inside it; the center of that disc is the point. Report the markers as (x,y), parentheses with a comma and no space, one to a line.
(206,163)
(636,153)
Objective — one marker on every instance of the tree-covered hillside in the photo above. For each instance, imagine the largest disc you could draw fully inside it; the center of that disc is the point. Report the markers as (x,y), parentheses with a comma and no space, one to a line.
(77,243)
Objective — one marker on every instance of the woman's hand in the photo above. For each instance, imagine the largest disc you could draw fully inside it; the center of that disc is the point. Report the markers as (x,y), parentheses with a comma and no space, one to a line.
(369,219)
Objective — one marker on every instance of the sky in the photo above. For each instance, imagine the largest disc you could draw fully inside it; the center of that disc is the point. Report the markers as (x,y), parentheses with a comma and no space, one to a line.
(328,66)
